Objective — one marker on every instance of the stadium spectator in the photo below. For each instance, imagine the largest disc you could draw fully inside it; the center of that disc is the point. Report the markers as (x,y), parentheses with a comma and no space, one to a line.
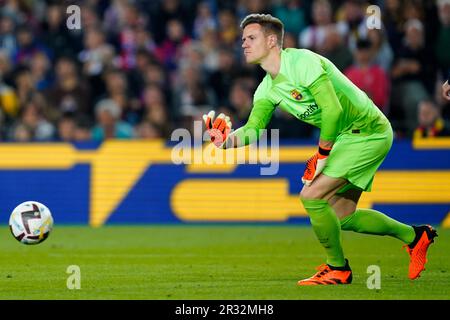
(8,41)
(241,100)
(393,20)
(210,47)
(290,40)
(351,14)
(117,90)
(66,128)
(97,55)
(9,104)
(136,76)
(169,51)
(192,54)
(294,13)
(228,28)
(90,19)
(204,20)
(6,67)
(147,130)
(109,125)
(24,85)
(83,128)
(166,11)
(368,76)
(431,123)
(156,111)
(27,46)
(154,73)
(381,50)
(40,71)
(192,97)
(20,133)
(60,40)
(221,79)
(144,40)
(113,16)
(258,6)
(413,75)
(31,124)
(335,49)
(313,37)
(443,39)
(132,36)
(69,94)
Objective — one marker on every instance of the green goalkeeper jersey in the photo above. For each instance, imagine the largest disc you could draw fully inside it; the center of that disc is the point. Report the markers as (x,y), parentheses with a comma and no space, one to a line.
(313,90)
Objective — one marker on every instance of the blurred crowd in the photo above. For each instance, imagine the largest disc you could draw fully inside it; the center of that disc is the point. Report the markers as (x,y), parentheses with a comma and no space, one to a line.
(139,69)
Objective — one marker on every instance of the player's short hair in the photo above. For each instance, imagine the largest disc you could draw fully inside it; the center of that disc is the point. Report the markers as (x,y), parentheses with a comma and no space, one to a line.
(270,25)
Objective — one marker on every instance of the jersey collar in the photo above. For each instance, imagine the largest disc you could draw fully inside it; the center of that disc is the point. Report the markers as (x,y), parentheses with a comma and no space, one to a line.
(281,74)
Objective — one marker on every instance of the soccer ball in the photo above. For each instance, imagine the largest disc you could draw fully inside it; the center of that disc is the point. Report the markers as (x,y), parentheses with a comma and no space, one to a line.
(31,222)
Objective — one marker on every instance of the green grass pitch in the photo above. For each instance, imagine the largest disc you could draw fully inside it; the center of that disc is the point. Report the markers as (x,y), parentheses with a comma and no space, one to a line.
(209,262)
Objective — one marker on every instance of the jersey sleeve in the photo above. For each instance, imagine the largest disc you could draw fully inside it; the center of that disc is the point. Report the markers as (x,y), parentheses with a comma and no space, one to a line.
(259,119)
(326,98)
(308,68)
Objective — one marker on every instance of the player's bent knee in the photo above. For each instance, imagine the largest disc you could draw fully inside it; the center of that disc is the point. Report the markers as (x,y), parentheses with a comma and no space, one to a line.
(344,210)
(309,193)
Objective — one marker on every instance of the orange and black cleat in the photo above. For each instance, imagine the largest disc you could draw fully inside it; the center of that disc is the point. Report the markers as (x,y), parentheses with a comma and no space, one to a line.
(329,275)
(417,250)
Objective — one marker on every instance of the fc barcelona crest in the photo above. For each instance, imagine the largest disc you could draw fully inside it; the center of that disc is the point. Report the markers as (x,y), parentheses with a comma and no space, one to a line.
(296,95)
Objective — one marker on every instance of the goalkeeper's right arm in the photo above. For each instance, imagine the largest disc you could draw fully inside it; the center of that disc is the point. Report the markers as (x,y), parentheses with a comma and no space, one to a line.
(258,119)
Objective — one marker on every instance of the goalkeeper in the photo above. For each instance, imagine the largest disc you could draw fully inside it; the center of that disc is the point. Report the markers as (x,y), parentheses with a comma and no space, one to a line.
(355,137)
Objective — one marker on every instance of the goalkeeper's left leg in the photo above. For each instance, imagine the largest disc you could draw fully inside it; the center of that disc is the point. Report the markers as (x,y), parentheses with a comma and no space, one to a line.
(416,239)
(375,222)
(367,220)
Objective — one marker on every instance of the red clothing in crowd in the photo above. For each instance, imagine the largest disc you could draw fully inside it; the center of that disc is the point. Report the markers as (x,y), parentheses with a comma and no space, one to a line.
(374,81)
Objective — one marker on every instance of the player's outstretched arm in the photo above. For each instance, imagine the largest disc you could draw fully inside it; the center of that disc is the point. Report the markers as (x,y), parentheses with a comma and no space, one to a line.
(222,135)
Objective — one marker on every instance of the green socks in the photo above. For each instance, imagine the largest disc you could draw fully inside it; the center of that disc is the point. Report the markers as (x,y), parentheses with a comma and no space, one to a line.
(374,222)
(327,228)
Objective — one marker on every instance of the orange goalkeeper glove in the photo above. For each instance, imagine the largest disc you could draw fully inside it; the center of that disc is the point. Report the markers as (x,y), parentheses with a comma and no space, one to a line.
(315,165)
(218,129)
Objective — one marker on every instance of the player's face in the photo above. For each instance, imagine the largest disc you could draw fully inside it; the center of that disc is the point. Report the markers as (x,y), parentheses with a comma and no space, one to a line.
(254,43)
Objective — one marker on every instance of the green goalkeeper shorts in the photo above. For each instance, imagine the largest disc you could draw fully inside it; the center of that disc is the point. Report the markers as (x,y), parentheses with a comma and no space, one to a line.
(356,156)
